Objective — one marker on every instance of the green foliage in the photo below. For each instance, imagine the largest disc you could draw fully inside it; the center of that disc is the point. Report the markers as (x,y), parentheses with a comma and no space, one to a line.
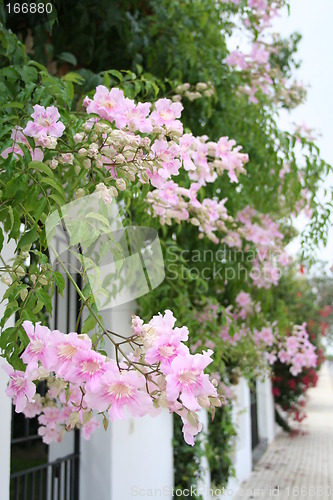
(186,459)
(220,446)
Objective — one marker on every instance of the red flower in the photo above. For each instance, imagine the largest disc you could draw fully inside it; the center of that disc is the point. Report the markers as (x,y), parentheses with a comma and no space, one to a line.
(292,383)
(325,311)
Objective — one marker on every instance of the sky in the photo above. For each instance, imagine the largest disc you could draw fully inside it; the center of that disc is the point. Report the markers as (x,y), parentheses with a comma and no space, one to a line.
(314,20)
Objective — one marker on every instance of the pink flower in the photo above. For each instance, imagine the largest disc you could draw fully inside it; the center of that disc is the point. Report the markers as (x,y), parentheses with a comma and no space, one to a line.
(284,357)
(51,416)
(185,142)
(243,299)
(46,122)
(89,428)
(166,113)
(236,58)
(136,117)
(188,381)
(49,434)
(291,345)
(165,349)
(166,162)
(65,348)
(120,391)
(33,407)
(266,335)
(109,104)
(137,324)
(164,323)
(260,54)
(38,349)
(88,366)
(271,358)
(189,431)
(20,388)
(19,138)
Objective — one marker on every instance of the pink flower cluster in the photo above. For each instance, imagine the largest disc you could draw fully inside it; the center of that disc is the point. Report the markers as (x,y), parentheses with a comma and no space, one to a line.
(297,351)
(172,202)
(256,64)
(264,233)
(166,157)
(258,74)
(142,141)
(83,381)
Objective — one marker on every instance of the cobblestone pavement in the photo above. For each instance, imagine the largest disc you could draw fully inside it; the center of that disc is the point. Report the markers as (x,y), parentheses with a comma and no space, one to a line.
(302,466)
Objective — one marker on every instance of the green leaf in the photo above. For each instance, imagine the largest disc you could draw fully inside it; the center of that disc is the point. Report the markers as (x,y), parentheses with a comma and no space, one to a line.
(89,324)
(44,298)
(99,217)
(39,209)
(13,104)
(116,73)
(42,167)
(59,201)
(7,336)
(73,78)
(59,281)
(17,183)
(38,65)
(38,308)
(67,57)
(55,185)
(28,238)
(11,309)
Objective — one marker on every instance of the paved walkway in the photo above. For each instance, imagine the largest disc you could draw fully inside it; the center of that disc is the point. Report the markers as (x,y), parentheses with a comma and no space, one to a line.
(302,466)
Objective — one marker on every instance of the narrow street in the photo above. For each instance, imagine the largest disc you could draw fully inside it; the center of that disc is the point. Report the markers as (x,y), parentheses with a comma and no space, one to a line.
(300,466)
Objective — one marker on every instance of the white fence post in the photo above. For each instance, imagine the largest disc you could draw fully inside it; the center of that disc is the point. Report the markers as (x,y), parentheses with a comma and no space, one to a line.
(266,418)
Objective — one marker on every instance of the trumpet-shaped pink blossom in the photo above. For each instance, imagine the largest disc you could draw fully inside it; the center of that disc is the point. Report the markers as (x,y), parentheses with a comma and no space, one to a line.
(187,380)
(65,348)
(45,122)
(88,367)
(20,388)
(120,391)
(38,348)
(167,113)
(109,104)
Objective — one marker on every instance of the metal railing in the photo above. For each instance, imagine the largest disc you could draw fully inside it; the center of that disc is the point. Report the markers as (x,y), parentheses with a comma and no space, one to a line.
(54,480)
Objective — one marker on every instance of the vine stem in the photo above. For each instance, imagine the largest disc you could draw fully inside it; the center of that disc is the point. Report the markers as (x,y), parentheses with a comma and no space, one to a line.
(86,303)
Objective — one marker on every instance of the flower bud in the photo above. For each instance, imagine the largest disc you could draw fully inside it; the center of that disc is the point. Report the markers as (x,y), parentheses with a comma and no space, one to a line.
(78,138)
(6,279)
(86,163)
(20,271)
(144,177)
(121,184)
(79,193)
(53,163)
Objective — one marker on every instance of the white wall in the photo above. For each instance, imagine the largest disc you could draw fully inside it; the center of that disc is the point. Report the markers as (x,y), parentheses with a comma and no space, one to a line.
(266,418)
(5,402)
(243,448)
(134,457)
(242,421)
